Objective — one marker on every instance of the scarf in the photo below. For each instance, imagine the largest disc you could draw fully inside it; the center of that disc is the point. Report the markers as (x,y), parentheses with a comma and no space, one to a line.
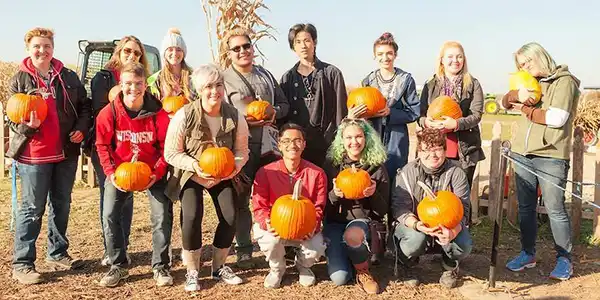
(453,88)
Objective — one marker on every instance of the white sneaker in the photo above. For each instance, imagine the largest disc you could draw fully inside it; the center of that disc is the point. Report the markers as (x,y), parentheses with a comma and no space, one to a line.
(307,277)
(273,279)
(162,277)
(191,281)
(226,274)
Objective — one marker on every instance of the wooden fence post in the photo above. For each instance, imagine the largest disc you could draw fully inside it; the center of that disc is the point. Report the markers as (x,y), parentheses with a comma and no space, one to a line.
(2,141)
(512,206)
(91,176)
(475,195)
(497,216)
(494,188)
(577,177)
(596,238)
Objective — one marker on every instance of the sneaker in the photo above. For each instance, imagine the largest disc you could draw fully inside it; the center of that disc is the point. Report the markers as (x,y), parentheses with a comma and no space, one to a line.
(244,261)
(114,275)
(407,275)
(522,261)
(191,281)
(449,278)
(162,277)
(273,279)
(307,277)
(65,262)
(105,260)
(226,274)
(27,275)
(563,269)
(366,281)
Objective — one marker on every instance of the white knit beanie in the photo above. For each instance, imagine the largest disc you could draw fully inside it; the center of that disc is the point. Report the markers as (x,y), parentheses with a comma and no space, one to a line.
(173,39)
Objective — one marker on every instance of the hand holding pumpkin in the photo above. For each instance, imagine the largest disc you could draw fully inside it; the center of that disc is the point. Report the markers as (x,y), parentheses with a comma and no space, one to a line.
(449,123)
(371,189)
(445,235)
(33,122)
(383,113)
(152,181)
(431,123)
(337,191)
(525,95)
(270,229)
(426,230)
(114,183)
(308,236)
(357,111)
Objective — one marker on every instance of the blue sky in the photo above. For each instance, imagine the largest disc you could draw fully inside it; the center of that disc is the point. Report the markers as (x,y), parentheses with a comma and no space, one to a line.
(489,30)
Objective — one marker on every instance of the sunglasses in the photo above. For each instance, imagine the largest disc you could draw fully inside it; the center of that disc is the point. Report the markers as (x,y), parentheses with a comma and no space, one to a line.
(128,52)
(239,48)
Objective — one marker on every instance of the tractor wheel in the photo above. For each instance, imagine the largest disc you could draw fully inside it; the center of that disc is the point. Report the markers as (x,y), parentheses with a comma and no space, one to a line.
(590,138)
(492,107)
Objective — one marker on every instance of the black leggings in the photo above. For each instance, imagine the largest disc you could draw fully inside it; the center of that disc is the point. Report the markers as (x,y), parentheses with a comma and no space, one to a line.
(192,205)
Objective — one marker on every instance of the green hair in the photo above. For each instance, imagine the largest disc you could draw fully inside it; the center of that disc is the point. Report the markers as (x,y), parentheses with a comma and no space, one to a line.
(373,154)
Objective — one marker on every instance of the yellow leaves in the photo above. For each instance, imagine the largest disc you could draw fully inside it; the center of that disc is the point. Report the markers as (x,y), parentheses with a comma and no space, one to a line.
(7,70)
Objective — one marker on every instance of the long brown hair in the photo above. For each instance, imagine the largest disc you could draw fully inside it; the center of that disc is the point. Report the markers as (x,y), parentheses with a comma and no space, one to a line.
(167,78)
(467,79)
(115,61)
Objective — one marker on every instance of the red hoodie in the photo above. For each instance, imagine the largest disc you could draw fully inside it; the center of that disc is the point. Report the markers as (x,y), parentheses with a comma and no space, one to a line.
(140,132)
(273,181)
(45,145)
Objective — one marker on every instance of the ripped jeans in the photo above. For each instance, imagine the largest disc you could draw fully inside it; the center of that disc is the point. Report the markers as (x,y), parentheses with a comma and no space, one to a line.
(341,257)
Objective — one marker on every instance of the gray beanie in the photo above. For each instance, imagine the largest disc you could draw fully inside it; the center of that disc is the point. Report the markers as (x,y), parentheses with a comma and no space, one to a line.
(173,39)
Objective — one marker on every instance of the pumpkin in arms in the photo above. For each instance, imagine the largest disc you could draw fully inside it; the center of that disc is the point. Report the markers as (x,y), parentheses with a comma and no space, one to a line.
(172,104)
(20,106)
(444,106)
(522,79)
(443,208)
(217,162)
(293,216)
(260,110)
(133,176)
(369,96)
(353,182)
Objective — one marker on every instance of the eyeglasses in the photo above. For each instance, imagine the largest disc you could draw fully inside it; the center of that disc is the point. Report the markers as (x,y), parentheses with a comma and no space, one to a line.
(287,142)
(239,48)
(430,151)
(128,52)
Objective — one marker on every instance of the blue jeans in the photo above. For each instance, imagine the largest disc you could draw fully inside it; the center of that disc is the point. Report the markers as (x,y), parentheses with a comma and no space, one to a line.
(161,219)
(340,256)
(555,171)
(127,215)
(413,243)
(52,183)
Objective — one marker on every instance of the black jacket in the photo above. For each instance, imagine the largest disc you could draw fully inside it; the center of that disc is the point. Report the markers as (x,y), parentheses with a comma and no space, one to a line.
(100,86)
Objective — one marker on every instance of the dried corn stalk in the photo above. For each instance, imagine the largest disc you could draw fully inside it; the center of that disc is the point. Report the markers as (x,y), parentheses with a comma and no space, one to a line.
(229,14)
(588,111)
(7,70)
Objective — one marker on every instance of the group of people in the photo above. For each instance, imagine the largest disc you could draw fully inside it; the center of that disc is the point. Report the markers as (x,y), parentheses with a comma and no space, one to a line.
(315,136)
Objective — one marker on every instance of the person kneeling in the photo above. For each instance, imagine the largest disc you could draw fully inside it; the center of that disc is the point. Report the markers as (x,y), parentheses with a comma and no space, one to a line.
(348,221)
(134,126)
(411,236)
(275,180)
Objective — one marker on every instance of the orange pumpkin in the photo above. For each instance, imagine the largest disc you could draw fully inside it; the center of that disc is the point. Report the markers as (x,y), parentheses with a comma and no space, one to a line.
(444,106)
(293,216)
(217,162)
(20,106)
(260,110)
(353,182)
(133,176)
(172,104)
(114,92)
(443,208)
(369,96)
(522,79)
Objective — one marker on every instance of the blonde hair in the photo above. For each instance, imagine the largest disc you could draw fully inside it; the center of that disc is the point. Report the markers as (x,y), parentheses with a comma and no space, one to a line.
(440,72)
(205,75)
(39,32)
(167,78)
(115,61)
(538,55)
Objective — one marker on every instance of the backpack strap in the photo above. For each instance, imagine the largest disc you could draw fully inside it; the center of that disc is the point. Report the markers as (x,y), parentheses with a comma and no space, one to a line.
(114,113)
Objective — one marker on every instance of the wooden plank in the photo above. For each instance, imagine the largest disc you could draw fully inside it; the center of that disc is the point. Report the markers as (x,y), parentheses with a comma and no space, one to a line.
(596,238)
(475,195)
(586,215)
(577,166)
(2,141)
(91,175)
(512,211)
(494,166)
(79,173)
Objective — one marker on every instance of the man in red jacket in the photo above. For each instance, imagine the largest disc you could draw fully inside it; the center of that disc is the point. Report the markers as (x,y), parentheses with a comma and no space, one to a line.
(134,125)
(275,180)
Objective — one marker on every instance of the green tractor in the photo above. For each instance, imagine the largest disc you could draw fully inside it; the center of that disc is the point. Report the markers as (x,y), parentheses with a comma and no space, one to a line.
(492,105)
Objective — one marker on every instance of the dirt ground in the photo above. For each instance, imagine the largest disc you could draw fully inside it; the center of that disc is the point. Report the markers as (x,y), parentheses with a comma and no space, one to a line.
(86,243)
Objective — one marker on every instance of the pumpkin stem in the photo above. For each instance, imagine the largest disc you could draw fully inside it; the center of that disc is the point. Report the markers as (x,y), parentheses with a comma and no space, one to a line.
(297,189)
(427,189)
(353,168)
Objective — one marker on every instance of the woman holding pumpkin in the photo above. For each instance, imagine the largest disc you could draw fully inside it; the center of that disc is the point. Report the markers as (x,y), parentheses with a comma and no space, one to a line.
(399,90)
(196,126)
(544,148)
(359,194)
(453,79)
(174,78)
(411,235)
(128,49)
(132,128)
